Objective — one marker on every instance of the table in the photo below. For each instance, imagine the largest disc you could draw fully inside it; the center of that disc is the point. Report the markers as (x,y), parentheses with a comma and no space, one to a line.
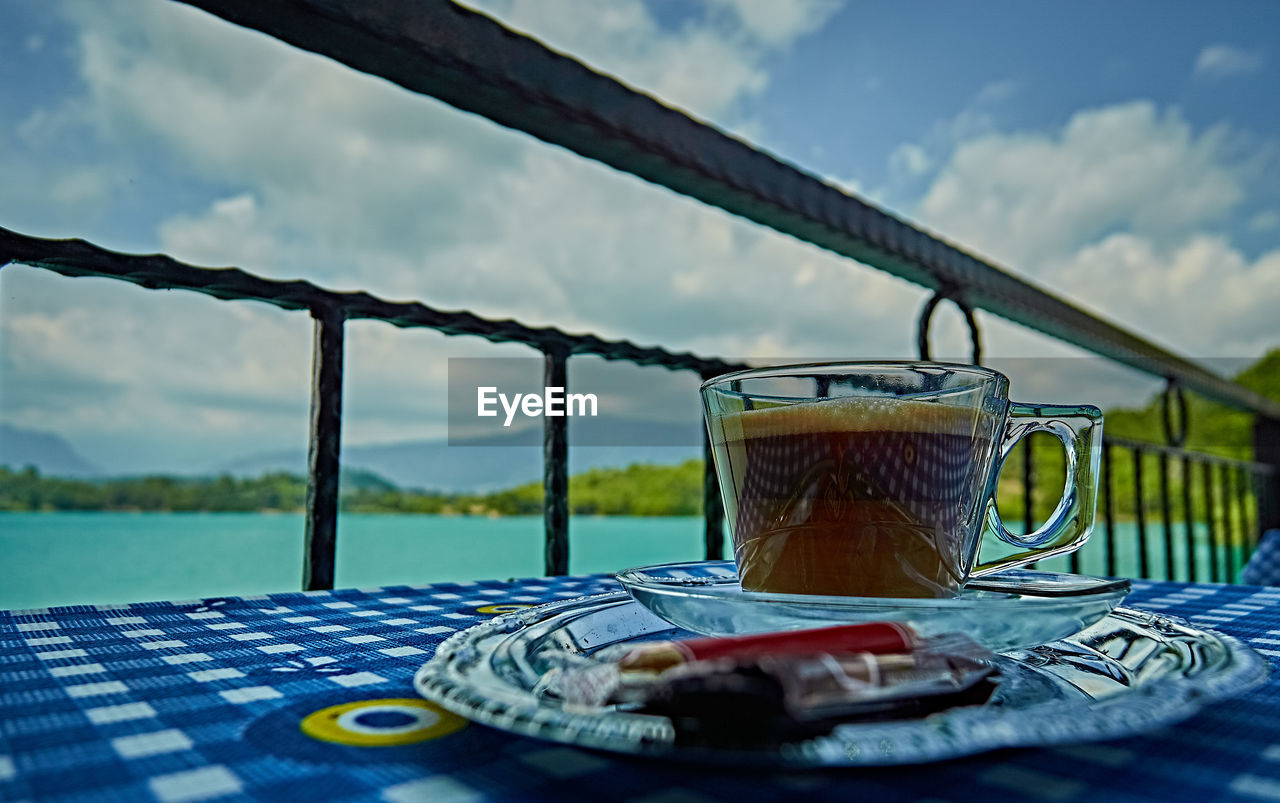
(180,701)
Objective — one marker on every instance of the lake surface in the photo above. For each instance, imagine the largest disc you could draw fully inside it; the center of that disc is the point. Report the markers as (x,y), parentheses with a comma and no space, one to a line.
(66,558)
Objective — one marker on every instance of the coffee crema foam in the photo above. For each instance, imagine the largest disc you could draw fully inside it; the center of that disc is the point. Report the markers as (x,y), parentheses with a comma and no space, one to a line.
(853,414)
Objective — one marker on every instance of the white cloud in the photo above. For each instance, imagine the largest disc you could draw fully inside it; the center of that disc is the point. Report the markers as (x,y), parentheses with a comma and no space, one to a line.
(1116,212)
(226,234)
(909,158)
(619,257)
(334,158)
(1028,198)
(996,92)
(705,66)
(910,162)
(779,24)
(1224,61)
(130,374)
(1201,295)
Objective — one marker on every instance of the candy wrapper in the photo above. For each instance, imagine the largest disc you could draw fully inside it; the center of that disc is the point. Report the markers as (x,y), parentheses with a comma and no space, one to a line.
(758,689)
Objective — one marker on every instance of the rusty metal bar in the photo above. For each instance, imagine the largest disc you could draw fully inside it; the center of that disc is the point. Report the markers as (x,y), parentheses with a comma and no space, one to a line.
(1166,516)
(1203,457)
(1266,450)
(712,505)
(1242,534)
(154,271)
(555,468)
(1028,481)
(1248,535)
(322,453)
(1249,508)
(1188,517)
(1144,565)
(1109,508)
(1210,517)
(1229,535)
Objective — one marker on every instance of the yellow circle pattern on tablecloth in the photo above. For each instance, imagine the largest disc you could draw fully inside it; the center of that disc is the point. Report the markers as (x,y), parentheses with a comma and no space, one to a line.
(507,607)
(381,723)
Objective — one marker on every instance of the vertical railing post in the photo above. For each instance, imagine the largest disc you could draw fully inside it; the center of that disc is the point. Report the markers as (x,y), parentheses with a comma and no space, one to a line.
(322,451)
(1229,535)
(1248,539)
(1144,565)
(555,467)
(1028,487)
(1210,518)
(1028,490)
(1109,509)
(1188,518)
(1266,450)
(1166,515)
(712,504)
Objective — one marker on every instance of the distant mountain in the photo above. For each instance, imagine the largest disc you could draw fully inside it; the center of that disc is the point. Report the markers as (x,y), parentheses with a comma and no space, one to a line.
(49,453)
(471,465)
(493,462)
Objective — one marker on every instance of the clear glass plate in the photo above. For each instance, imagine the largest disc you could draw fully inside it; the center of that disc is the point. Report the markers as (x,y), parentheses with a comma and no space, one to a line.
(1004,611)
(1128,673)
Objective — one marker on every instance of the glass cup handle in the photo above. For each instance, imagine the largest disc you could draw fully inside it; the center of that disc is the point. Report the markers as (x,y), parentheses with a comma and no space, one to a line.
(1079,427)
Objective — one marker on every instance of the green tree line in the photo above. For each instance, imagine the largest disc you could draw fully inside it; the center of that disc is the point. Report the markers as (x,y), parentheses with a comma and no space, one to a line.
(639,490)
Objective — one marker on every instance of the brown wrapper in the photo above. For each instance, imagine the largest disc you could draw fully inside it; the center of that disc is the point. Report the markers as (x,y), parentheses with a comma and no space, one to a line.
(764,699)
(748,697)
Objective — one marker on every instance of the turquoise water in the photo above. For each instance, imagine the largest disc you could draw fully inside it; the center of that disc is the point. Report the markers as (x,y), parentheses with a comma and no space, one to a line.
(1093,556)
(65,558)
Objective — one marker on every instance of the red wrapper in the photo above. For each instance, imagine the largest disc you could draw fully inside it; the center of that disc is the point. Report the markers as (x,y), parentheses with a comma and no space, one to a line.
(878,638)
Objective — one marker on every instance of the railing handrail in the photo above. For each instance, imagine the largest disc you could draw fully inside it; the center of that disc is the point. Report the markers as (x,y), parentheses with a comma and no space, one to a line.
(74,257)
(1261,469)
(472,62)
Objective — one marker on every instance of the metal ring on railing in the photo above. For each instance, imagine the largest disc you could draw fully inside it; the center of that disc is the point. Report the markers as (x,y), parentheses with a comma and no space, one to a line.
(1174,390)
(953,295)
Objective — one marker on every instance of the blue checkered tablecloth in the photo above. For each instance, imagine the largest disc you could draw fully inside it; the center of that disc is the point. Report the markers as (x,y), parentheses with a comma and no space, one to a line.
(306,696)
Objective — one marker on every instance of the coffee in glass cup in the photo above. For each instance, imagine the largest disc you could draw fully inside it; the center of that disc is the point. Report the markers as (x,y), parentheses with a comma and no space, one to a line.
(875,479)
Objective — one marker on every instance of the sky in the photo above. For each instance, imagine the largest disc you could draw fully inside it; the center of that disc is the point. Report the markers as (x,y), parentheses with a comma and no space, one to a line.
(1126,156)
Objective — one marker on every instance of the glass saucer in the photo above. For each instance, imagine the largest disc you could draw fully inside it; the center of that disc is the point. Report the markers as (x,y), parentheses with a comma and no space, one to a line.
(1009,610)
(1129,673)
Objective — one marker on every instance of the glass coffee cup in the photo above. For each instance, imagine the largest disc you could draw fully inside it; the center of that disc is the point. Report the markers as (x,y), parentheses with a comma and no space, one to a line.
(876,479)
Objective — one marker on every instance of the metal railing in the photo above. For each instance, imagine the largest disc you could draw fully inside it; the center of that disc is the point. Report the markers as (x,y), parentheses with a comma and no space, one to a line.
(464,58)
(1221,500)
(1165,512)
(330,310)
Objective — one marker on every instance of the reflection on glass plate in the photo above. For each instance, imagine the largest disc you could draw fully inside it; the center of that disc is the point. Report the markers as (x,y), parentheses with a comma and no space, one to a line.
(1004,611)
(1128,673)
